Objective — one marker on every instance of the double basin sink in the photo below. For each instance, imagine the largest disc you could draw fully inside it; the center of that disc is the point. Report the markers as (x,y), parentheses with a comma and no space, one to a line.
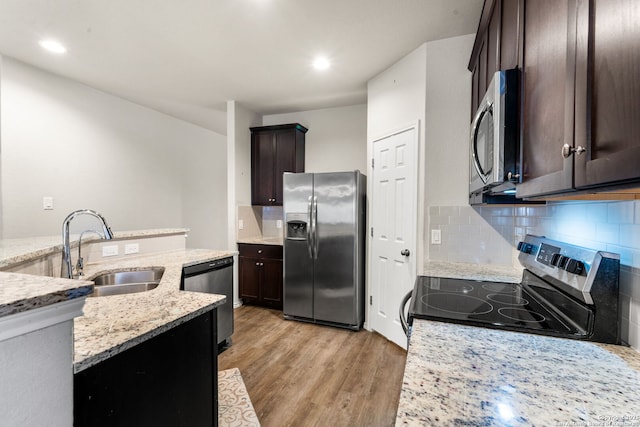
(127,281)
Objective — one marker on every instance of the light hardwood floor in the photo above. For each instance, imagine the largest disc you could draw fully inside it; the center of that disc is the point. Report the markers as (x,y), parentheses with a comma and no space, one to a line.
(301,374)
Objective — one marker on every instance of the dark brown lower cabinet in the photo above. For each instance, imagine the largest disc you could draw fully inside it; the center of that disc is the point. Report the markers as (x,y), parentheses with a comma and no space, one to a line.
(260,271)
(168,380)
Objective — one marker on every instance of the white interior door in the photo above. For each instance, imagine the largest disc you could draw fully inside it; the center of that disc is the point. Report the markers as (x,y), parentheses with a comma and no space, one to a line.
(393,213)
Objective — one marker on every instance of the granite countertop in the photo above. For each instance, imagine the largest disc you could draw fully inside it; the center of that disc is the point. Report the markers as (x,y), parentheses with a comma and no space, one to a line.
(459,270)
(465,375)
(260,240)
(112,324)
(24,292)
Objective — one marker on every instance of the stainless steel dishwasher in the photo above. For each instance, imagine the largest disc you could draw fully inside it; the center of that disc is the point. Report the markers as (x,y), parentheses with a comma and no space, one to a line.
(214,277)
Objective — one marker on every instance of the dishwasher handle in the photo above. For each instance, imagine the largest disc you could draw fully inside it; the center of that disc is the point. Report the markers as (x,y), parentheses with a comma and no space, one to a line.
(204,267)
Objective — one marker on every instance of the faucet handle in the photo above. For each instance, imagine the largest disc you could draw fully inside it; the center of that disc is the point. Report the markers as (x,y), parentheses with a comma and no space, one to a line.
(80,267)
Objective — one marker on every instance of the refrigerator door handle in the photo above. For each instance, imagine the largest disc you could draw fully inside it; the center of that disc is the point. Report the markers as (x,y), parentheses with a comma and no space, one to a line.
(310,228)
(314,222)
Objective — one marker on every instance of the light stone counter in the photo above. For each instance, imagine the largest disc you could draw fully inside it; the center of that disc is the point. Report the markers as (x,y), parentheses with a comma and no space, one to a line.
(112,324)
(459,270)
(24,292)
(259,240)
(465,375)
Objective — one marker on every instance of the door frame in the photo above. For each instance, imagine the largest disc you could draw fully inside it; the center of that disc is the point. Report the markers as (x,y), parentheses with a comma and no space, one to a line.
(419,160)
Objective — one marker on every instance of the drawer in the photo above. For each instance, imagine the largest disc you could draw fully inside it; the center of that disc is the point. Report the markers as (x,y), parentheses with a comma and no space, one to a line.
(260,251)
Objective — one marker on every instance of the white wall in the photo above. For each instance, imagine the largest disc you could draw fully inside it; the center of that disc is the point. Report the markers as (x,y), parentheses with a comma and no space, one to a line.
(239,120)
(448,106)
(336,140)
(396,97)
(89,149)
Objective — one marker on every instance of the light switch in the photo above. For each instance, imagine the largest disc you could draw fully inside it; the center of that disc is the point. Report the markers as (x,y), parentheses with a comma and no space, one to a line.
(279,223)
(131,248)
(436,237)
(47,203)
(240,224)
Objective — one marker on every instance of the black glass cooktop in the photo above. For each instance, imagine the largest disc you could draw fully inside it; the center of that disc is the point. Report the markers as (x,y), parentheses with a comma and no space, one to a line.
(510,306)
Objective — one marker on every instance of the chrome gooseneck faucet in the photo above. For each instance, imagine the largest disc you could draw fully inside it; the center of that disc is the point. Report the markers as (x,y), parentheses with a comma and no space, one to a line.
(67,268)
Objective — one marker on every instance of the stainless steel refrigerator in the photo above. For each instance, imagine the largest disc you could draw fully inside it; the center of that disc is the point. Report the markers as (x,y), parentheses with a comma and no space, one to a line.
(324,248)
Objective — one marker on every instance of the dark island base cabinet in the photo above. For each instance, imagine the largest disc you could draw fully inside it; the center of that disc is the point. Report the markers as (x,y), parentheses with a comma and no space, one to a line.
(260,271)
(168,380)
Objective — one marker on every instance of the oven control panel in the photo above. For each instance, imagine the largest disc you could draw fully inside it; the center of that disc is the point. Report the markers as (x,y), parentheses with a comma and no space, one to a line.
(571,267)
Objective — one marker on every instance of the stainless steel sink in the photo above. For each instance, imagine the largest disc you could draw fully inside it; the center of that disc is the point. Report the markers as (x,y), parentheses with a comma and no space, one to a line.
(127,281)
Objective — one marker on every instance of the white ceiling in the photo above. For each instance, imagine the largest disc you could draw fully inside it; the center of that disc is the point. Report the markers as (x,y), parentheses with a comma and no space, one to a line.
(187,58)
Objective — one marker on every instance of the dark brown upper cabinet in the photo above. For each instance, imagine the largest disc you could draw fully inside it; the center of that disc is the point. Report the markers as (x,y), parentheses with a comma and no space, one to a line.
(496,46)
(608,93)
(274,150)
(548,80)
(581,114)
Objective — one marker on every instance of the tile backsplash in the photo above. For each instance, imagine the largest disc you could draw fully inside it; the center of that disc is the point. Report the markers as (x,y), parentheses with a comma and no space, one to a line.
(259,221)
(489,234)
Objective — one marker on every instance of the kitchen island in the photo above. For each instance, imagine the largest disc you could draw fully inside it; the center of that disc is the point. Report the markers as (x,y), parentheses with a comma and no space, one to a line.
(159,343)
(168,332)
(466,375)
(115,323)
(36,340)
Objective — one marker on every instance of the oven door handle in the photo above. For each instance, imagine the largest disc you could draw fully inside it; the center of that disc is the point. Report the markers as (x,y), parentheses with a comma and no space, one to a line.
(403,315)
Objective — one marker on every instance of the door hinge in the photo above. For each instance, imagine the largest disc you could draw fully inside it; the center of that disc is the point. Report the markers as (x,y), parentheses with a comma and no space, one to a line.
(370,299)
(371,231)
(373,163)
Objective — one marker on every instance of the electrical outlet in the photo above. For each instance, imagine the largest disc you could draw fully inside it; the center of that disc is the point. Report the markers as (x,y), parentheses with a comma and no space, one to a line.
(279,223)
(131,248)
(436,237)
(109,251)
(240,224)
(47,203)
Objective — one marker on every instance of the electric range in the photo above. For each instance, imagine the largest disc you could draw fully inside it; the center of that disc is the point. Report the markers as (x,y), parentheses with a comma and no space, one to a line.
(566,291)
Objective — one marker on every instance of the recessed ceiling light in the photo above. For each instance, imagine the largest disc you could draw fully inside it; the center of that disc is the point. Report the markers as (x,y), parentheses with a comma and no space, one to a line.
(321,63)
(53,46)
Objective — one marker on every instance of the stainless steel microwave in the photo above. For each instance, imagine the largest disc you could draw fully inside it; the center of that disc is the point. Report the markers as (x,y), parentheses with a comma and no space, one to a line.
(495,146)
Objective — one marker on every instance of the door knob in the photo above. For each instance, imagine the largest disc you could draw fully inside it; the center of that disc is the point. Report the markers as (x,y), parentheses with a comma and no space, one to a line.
(405,252)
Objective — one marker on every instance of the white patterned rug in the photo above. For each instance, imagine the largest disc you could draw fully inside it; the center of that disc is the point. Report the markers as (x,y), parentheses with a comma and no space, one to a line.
(234,405)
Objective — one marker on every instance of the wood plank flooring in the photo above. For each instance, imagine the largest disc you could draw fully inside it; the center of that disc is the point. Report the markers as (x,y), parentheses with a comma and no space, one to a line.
(301,374)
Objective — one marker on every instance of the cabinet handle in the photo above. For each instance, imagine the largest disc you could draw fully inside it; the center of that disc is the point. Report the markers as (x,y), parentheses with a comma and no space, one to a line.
(513,176)
(568,150)
(257,263)
(259,251)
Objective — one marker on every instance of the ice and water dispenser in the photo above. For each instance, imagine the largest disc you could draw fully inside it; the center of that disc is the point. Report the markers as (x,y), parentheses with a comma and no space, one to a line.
(297,226)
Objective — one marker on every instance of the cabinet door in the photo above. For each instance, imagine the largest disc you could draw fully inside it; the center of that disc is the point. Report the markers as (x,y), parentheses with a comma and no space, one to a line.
(613,149)
(263,158)
(167,380)
(271,286)
(548,81)
(510,33)
(285,160)
(249,280)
